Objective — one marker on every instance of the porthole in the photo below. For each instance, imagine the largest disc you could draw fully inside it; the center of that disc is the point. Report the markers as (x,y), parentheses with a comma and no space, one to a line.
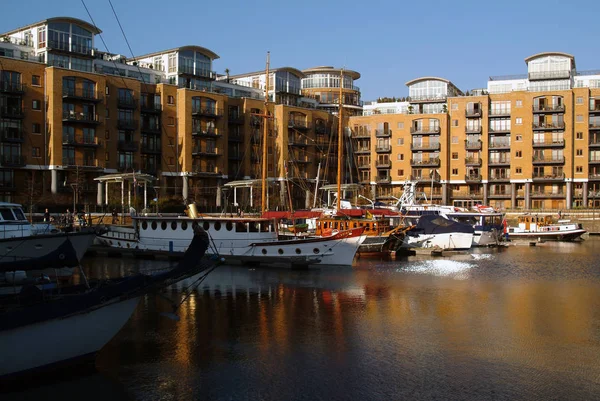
(154,225)
(264,251)
(195,225)
(174,225)
(145,225)
(280,251)
(184,225)
(217,226)
(206,225)
(316,251)
(163,225)
(229,226)
(298,251)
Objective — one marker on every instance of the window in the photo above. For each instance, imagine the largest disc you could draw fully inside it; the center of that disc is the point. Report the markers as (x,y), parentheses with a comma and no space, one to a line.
(579,169)
(518,138)
(579,152)
(454,171)
(579,100)
(454,155)
(400,173)
(519,153)
(400,156)
(579,118)
(171,121)
(400,141)
(35,152)
(454,106)
(519,121)
(454,139)
(455,123)
(170,100)
(107,91)
(400,125)
(107,114)
(519,170)
(579,135)
(518,103)
(36,128)
(35,80)
(36,105)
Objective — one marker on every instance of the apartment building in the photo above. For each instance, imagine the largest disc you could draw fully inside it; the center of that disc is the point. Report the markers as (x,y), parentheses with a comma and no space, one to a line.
(526,141)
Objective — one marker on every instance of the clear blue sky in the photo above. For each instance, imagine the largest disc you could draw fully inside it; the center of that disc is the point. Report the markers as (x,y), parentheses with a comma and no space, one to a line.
(388,42)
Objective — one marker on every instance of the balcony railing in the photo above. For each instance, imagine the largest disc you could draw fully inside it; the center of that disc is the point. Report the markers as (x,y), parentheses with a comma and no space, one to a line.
(127,166)
(236,118)
(322,129)
(499,162)
(565,74)
(427,99)
(383,148)
(127,146)
(473,177)
(362,149)
(594,160)
(548,177)
(383,164)
(12,112)
(151,108)
(151,128)
(549,143)
(425,146)
(198,151)
(497,145)
(467,194)
(473,130)
(151,148)
(87,118)
(424,130)
(542,194)
(207,112)
(500,194)
(80,141)
(16,88)
(434,162)
(297,141)
(364,165)
(553,160)
(471,161)
(473,145)
(472,113)
(13,160)
(499,113)
(127,124)
(206,171)
(210,132)
(235,137)
(363,134)
(594,109)
(383,180)
(126,102)
(548,126)
(81,94)
(499,129)
(499,177)
(299,124)
(551,108)
(7,185)
(11,135)
(594,126)
(383,133)
(234,155)
(594,143)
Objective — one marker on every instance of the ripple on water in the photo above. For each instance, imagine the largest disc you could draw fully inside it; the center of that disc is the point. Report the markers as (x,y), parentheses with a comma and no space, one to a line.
(441,267)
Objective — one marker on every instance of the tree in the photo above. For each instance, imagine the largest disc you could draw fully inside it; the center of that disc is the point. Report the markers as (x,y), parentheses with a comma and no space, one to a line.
(227,74)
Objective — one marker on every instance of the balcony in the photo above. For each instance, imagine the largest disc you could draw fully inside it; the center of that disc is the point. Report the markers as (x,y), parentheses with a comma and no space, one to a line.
(126,103)
(235,138)
(298,140)
(364,165)
(504,177)
(64,46)
(473,113)
(323,129)
(424,130)
(473,130)
(594,160)
(420,178)
(234,155)
(473,145)
(13,88)
(12,161)
(81,94)
(84,118)
(148,108)
(548,177)
(427,99)
(151,148)
(472,161)
(537,76)
(151,129)
(383,164)
(435,162)
(299,125)
(503,194)
(499,130)
(206,171)
(383,133)
(383,180)
(554,160)
(499,162)
(548,126)
(12,112)
(70,140)
(383,148)
(212,112)
(595,109)
(362,150)
(425,146)
(255,121)
(594,176)
(7,185)
(302,159)
(198,151)
(467,194)
(547,109)
(124,167)
(363,134)
(207,132)
(499,113)
(127,124)
(594,143)
(127,146)
(499,145)
(236,118)
(549,143)
(542,194)
(473,178)
(11,135)
(594,126)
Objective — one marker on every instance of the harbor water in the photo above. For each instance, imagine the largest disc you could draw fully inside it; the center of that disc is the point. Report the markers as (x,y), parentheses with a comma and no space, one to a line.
(490,324)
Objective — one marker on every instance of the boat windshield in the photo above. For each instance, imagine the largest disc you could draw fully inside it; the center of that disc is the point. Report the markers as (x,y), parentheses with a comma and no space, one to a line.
(7,214)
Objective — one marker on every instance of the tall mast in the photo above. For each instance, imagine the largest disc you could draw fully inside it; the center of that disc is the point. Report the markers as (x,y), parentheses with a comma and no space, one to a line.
(340,142)
(264,144)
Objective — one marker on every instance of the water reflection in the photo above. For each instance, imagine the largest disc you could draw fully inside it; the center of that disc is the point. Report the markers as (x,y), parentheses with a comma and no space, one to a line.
(523,322)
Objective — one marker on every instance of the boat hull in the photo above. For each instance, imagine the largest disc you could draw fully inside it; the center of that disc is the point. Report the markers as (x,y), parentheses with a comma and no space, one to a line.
(35,346)
(447,241)
(566,235)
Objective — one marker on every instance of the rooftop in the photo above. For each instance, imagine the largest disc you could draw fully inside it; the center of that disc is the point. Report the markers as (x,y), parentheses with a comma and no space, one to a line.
(71,20)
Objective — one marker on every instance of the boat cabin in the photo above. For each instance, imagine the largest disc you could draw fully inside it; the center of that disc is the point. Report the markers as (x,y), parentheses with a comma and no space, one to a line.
(326,226)
(533,222)
(13,222)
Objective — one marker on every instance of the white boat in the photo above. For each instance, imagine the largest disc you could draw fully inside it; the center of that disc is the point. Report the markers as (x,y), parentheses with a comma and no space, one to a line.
(24,246)
(488,226)
(439,232)
(237,239)
(534,227)
(40,330)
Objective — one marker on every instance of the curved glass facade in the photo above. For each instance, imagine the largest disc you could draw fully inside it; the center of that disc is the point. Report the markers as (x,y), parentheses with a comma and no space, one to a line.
(327,80)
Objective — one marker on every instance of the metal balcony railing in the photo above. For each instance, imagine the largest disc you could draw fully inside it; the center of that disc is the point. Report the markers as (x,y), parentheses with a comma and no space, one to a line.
(81,94)
(548,108)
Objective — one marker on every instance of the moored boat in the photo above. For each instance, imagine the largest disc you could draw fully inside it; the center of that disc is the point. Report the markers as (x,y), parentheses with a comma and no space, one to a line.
(439,232)
(534,227)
